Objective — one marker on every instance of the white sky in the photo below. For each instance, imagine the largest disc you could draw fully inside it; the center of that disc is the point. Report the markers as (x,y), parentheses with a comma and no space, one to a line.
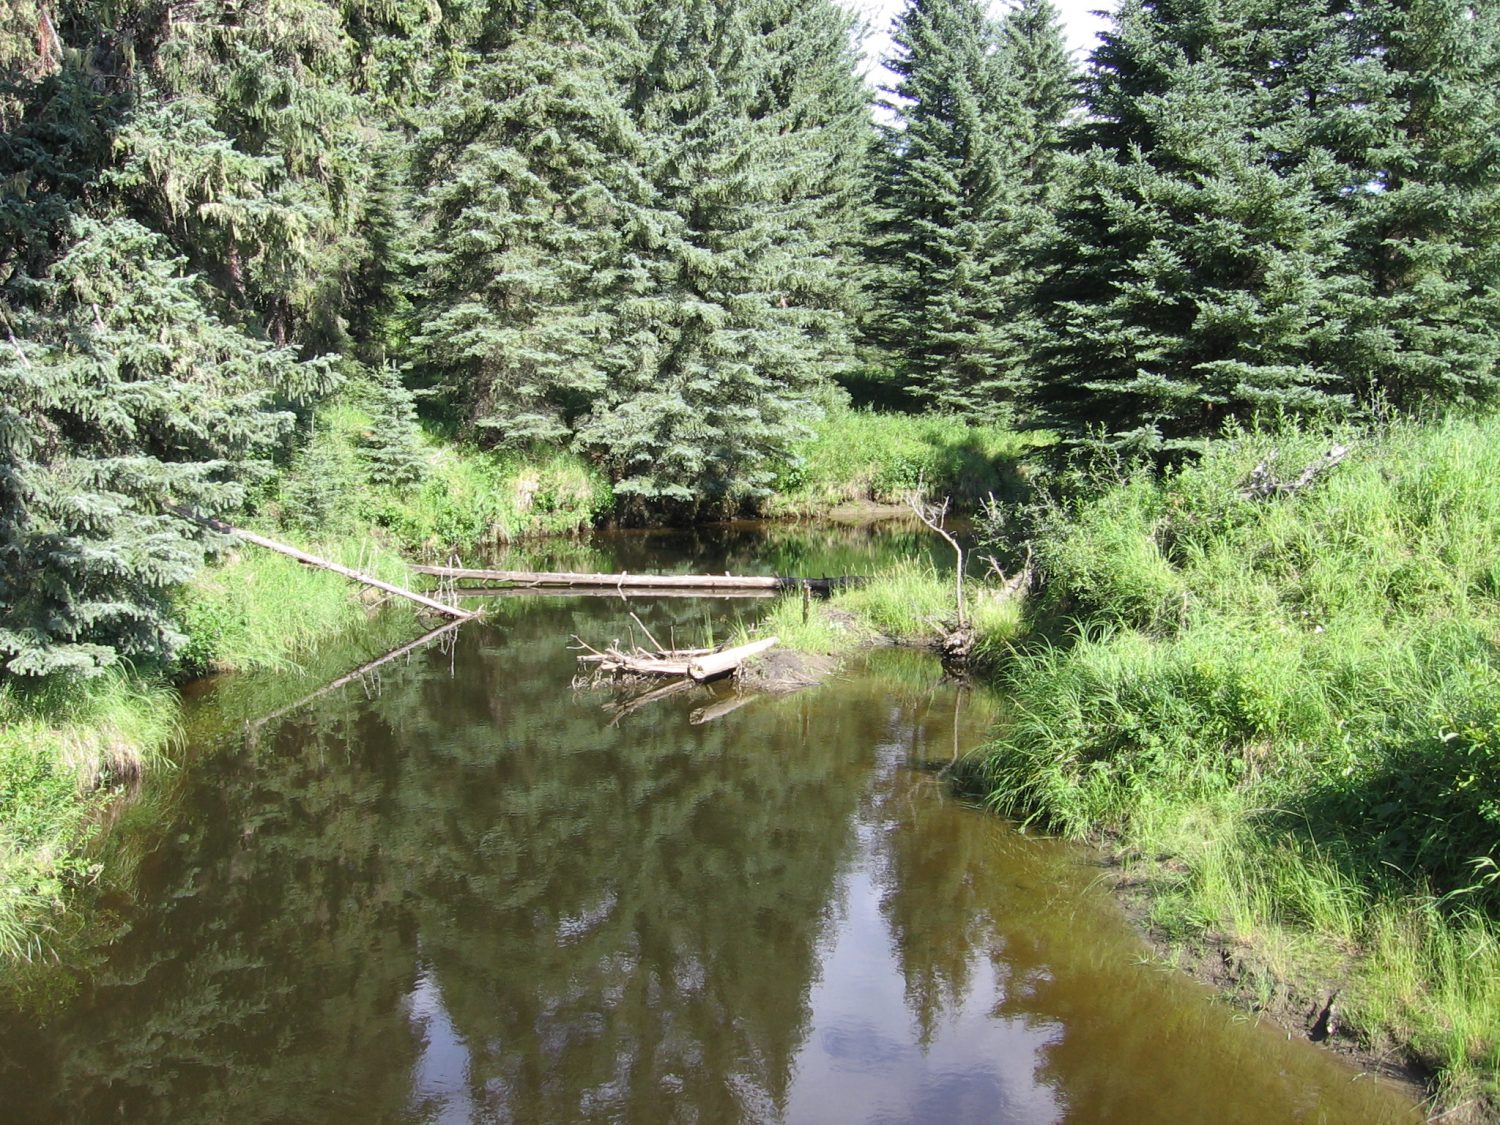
(1080,24)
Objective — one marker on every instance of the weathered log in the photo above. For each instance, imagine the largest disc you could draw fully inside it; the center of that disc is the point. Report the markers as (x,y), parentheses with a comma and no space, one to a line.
(322,564)
(674,582)
(1264,483)
(608,592)
(696,665)
(722,663)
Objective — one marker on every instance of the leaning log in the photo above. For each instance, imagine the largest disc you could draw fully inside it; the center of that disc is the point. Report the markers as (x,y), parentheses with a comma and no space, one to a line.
(674,582)
(718,664)
(322,564)
(696,665)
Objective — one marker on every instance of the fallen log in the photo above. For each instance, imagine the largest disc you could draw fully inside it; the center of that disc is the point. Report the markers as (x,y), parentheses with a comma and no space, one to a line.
(694,665)
(322,564)
(609,592)
(718,664)
(624,581)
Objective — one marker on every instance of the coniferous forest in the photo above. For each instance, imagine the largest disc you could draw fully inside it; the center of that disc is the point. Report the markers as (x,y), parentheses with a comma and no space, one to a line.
(375,268)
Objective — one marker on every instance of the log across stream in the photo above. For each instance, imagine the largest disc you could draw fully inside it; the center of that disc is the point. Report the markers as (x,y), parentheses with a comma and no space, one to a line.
(625,581)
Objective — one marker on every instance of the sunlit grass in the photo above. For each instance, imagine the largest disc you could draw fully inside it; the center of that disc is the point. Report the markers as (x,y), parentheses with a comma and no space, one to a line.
(60,746)
(1292,707)
(856,455)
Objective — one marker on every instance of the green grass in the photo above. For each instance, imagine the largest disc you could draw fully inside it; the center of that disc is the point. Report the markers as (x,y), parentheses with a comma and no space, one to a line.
(910,603)
(858,456)
(256,610)
(60,746)
(465,499)
(1293,707)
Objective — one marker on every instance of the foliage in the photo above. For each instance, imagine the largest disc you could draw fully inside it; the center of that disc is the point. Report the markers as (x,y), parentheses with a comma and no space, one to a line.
(857,456)
(962,187)
(754,126)
(1309,679)
(1276,208)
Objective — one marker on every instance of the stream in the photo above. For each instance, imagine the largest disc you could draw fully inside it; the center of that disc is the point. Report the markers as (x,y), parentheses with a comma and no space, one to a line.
(461,890)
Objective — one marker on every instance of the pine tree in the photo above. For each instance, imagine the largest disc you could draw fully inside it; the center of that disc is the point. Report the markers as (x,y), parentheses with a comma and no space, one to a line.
(963,196)
(532,167)
(1422,195)
(1194,277)
(738,291)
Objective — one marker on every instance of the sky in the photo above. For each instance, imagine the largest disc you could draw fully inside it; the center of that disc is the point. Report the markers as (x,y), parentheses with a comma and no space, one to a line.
(1080,24)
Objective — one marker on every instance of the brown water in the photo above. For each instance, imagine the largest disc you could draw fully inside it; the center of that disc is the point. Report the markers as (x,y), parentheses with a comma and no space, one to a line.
(460,891)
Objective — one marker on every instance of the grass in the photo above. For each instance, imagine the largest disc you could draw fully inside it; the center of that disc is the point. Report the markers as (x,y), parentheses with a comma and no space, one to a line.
(255,610)
(910,603)
(60,745)
(859,456)
(1291,708)
(462,499)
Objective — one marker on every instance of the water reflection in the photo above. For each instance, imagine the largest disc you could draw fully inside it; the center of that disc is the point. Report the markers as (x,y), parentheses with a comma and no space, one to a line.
(469,897)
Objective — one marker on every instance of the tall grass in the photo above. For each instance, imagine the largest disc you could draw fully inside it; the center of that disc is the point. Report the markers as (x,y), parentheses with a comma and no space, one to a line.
(856,456)
(256,610)
(60,745)
(1296,701)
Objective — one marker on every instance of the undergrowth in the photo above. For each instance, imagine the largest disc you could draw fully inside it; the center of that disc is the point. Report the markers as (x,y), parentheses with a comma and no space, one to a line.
(1291,708)
(860,456)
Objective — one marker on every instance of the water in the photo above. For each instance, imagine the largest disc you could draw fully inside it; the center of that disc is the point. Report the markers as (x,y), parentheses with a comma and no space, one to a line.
(462,891)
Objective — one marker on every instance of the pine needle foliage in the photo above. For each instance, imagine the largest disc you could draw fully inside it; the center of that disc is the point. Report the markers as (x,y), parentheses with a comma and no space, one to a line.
(965,178)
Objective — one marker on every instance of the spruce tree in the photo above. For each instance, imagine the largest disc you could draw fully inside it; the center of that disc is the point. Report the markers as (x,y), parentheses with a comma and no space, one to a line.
(1195,274)
(533,171)
(964,196)
(122,390)
(1422,197)
(739,297)
(122,394)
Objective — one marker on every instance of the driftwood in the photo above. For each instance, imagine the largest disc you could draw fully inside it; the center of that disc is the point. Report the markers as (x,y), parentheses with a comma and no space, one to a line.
(676,583)
(935,516)
(322,564)
(694,665)
(609,592)
(1264,483)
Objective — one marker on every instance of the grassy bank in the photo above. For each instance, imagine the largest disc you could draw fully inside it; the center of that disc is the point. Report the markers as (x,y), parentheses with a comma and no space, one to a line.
(911,603)
(859,457)
(1285,715)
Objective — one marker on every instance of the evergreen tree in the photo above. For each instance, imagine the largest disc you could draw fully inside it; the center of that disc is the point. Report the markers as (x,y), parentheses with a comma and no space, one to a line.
(964,195)
(122,389)
(1422,195)
(1194,276)
(740,288)
(123,393)
(1035,63)
(532,166)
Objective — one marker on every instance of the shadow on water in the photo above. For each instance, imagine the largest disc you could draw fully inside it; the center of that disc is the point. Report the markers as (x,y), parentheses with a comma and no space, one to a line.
(459,892)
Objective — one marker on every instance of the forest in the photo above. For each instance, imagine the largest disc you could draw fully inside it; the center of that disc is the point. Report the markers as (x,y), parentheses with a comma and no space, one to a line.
(400,277)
